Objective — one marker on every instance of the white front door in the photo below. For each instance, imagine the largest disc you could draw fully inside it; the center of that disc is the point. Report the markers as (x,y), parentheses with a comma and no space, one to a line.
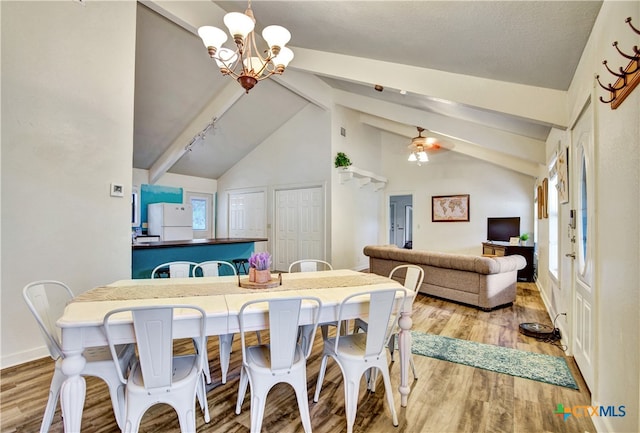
(202,207)
(582,192)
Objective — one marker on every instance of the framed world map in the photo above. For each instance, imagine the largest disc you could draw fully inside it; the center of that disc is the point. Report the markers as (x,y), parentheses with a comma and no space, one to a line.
(450,208)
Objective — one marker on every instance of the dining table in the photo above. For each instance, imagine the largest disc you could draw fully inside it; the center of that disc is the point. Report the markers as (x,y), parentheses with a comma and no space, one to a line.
(221,298)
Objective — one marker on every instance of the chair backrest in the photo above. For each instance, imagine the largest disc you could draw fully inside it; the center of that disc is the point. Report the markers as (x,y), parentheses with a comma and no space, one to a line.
(309,265)
(284,318)
(413,276)
(179,269)
(153,327)
(211,268)
(383,310)
(46,299)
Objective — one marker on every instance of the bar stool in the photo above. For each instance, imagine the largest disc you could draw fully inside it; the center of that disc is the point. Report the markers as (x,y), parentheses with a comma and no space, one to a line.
(242,265)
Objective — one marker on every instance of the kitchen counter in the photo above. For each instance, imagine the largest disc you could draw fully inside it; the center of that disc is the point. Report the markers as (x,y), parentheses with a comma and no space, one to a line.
(146,256)
(195,242)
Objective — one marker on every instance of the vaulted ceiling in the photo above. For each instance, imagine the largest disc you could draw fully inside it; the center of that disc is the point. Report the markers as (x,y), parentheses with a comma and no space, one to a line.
(487,78)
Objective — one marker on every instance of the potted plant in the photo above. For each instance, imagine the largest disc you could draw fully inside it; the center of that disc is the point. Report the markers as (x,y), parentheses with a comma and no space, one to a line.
(260,267)
(342,160)
(523,238)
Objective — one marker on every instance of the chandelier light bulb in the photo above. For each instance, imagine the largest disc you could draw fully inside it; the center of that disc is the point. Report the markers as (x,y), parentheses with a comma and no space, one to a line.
(282,59)
(276,37)
(239,25)
(212,38)
(255,64)
(412,157)
(422,156)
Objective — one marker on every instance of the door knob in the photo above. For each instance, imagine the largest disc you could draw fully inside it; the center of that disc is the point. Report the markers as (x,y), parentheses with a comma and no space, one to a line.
(572,255)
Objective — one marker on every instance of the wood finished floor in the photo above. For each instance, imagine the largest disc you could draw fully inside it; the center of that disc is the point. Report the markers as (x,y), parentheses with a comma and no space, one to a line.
(447,397)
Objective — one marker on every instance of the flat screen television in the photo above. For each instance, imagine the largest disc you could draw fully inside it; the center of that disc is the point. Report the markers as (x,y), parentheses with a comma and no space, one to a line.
(501,229)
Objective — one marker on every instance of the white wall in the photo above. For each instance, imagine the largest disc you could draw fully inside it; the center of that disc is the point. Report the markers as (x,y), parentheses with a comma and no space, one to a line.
(356,211)
(494,192)
(188,183)
(297,154)
(67,128)
(617,225)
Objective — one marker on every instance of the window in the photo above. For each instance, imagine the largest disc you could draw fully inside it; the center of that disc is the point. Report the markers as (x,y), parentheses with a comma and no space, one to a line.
(583,220)
(199,206)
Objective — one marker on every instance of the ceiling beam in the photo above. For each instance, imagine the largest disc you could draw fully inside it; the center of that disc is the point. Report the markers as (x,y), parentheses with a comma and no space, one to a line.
(539,104)
(188,14)
(216,108)
(307,86)
(493,139)
(498,158)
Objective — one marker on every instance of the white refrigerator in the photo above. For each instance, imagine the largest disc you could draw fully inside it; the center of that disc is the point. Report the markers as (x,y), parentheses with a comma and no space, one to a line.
(170,221)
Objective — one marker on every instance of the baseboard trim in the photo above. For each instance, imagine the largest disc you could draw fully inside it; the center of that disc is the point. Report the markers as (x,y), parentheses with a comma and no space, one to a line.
(22,357)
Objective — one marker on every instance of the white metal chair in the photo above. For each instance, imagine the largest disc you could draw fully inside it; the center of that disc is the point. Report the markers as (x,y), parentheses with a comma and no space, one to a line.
(178,269)
(282,360)
(157,376)
(310,265)
(413,277)
(182,269)
(46,300)
(358,352)
(212,268)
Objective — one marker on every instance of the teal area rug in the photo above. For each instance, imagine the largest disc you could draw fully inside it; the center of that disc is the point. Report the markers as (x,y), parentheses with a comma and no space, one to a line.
(529,365)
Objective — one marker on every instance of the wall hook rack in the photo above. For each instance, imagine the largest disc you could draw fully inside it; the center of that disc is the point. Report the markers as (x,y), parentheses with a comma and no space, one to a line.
(627,78)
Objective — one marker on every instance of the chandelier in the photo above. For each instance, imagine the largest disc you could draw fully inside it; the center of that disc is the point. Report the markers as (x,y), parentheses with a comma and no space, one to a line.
(245,64)
(417,146)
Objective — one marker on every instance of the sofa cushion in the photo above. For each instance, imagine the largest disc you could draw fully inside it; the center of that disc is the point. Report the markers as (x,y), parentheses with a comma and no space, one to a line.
(462,262)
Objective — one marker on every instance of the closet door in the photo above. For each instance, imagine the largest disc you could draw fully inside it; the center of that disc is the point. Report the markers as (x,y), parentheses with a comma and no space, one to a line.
(248,216)
(299,222)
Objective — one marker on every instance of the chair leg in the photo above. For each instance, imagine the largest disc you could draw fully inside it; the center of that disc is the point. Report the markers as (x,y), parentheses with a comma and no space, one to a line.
(207,373)
(413,367)
(242,389)
(224,343)
(351,388)
(372,377)
(132,422)
(392,345)
(258,397)
(323,367)
(389,394)
(303,405)
(187,420)
(116,391)
(201,393)
(54,393)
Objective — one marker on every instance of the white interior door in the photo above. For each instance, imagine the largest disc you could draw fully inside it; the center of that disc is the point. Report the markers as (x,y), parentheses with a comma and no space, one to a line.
(583,343)
(248,216)
(299,222)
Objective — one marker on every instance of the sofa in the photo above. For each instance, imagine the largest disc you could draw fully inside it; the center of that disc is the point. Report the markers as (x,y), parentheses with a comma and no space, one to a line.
(484,282)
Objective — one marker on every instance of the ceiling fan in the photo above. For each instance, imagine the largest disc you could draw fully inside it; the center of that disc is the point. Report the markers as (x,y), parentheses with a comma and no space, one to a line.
(420,145)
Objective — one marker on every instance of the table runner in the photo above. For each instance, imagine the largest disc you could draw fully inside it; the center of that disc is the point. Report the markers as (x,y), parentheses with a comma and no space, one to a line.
(209,288)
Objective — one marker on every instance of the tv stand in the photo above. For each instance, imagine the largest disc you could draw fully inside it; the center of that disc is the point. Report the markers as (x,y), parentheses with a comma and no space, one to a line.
(497,248)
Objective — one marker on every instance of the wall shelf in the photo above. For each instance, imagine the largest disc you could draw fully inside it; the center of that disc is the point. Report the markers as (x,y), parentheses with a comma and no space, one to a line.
(363,177)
